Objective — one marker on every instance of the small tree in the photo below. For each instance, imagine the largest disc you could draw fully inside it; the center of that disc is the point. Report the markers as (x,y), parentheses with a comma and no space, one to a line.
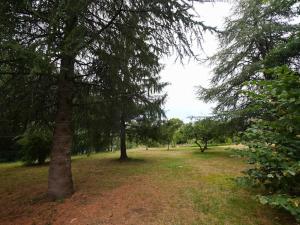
(202,131)
(180,136)
(169,129)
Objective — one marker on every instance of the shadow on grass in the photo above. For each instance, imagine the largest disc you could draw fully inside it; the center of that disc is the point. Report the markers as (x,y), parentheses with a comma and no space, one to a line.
(45,164)
(210,153)
(35,165)
(128,161)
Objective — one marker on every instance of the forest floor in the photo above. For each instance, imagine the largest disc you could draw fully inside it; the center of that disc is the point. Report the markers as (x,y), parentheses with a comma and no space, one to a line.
(157,187)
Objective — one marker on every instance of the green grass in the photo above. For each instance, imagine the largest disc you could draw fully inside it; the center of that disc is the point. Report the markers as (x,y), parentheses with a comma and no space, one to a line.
(189,187)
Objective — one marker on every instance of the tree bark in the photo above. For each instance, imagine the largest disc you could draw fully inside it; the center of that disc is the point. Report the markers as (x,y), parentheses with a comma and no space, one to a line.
(60,183)
(123,155)
(205,144)
(199,145)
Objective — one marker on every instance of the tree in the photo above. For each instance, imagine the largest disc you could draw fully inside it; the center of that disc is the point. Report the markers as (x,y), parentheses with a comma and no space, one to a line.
(71,36)
(132,84)
(273,141)
(145,130)
(250,88)
(169,129)
(180,136)
(255,28)
(203,131)
(25,83)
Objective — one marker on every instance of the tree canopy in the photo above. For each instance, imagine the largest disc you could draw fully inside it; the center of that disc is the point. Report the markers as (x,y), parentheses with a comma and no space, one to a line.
(251,37)
(64,51)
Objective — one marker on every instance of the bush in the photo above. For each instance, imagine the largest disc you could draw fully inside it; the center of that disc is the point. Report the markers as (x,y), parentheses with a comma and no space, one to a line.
(35,145)
(274,141)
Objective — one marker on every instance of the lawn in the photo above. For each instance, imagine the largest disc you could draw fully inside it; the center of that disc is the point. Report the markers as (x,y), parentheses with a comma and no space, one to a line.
(157,187)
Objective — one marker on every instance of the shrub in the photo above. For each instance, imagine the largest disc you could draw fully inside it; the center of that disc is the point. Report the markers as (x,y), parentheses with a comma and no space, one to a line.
(35,145)
(274,141)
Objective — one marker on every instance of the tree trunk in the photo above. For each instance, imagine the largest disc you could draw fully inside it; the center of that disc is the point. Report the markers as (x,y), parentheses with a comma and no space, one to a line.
(111,143)
(41,160)
(60,183)
(199,145)
(123,155)
(205,144)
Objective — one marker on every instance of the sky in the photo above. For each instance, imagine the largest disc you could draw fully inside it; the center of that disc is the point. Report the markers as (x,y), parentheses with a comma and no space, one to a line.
(182,100)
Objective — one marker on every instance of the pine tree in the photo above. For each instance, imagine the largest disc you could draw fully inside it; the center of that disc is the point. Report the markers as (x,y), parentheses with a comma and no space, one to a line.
(253,31)
(71,35)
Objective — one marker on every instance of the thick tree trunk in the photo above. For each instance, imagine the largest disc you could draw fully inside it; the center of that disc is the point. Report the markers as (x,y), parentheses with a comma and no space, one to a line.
(123,155)
(60,182)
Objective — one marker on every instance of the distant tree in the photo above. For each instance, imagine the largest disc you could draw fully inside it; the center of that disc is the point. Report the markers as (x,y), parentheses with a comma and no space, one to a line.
(132,84)
(145,130)
(169,129)
(180,136)
(202,131)
(96,125)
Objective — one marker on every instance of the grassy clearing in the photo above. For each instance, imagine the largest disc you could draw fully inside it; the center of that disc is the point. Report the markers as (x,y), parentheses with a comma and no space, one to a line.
(176,187)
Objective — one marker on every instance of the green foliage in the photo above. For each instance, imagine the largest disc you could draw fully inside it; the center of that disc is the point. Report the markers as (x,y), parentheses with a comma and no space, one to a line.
(25,94)
(146,131)
(292,205)
(169,129)
(254,38)
(180,136)
(35,145)
(274,141)
(203,131)
(258,37)
(113,48)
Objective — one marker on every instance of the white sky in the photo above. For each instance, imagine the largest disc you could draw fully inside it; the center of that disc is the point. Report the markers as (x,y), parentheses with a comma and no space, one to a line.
(182,101)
